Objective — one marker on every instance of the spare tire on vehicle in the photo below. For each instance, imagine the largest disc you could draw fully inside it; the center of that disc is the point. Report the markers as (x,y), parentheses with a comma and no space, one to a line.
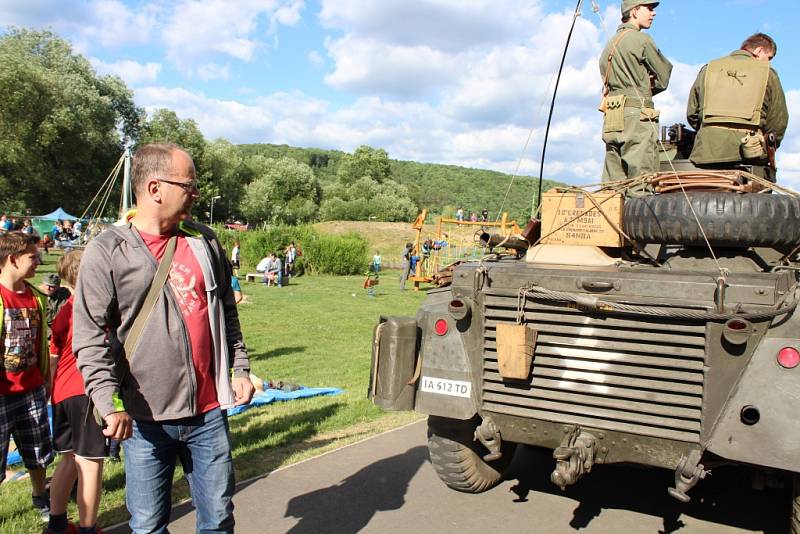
(728,219)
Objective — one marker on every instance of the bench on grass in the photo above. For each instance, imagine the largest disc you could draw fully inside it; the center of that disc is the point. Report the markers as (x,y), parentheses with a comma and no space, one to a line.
(254,277)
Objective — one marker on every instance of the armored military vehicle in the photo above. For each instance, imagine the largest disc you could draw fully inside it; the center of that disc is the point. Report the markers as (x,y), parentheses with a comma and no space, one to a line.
(680,352)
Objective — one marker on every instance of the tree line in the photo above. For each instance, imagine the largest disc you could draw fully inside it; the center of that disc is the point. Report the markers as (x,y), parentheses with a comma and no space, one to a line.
(63,127)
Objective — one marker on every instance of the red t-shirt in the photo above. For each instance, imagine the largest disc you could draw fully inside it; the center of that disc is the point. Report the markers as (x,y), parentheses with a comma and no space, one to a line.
(67,381)
(21,331)
(189,287)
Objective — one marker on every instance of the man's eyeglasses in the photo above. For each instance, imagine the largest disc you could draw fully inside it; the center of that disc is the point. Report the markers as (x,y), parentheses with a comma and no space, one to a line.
(189,187)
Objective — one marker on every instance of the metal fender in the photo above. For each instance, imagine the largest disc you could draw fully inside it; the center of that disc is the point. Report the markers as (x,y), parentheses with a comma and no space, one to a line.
(447,386)
(759,423)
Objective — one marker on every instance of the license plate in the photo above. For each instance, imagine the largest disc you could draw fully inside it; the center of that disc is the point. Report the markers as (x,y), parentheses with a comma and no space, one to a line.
(454,388)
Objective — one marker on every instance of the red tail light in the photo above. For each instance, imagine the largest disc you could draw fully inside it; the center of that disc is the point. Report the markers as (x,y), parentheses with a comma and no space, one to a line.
(788,357)
(440,327)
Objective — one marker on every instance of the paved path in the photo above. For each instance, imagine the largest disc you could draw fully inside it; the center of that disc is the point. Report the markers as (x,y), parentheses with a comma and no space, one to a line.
(386,484)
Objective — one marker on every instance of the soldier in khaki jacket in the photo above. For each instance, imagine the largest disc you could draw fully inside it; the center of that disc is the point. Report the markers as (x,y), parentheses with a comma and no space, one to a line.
(633,70)
(735,104)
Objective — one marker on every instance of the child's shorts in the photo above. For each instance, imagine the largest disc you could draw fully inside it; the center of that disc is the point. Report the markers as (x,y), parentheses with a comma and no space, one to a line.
(24,416)
(76,431)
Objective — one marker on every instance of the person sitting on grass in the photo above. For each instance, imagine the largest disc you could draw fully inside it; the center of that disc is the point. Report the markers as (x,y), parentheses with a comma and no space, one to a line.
(77,436)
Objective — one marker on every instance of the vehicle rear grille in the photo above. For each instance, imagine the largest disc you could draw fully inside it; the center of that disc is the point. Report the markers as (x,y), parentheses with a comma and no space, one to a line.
(637,375)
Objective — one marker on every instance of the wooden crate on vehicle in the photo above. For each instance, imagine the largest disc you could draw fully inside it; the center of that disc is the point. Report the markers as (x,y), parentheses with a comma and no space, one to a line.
(571,218)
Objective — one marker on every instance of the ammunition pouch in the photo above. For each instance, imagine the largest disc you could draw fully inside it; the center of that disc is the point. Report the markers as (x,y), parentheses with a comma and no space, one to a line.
(649,114)
(754,145)
(615,114)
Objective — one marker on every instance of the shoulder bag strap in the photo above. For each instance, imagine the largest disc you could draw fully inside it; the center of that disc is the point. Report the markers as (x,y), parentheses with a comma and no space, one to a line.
(135,333)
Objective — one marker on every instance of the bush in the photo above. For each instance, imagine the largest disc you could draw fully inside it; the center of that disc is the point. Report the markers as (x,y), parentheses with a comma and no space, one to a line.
(339,255)
(321,254)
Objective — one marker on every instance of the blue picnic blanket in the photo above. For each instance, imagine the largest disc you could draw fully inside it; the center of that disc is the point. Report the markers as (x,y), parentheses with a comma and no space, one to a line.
(271,395)
(260,398)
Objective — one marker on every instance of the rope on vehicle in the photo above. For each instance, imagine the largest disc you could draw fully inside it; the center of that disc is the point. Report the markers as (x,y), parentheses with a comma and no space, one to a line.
(594,304)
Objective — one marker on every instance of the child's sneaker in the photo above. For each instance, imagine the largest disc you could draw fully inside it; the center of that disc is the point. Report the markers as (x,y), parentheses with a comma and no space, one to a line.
(42,504)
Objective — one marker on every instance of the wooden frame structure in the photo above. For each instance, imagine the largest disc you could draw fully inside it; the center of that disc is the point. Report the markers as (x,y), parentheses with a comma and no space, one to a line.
(452,241)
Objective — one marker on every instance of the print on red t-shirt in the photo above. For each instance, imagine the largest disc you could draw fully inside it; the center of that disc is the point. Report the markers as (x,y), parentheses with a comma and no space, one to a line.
(19,355)
(189,287)
(67,381)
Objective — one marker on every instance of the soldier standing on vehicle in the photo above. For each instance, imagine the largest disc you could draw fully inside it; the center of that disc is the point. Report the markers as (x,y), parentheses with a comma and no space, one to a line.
(738,108)
(633,70)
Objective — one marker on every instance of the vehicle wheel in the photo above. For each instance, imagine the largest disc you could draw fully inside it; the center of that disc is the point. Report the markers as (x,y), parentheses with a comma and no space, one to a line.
(794,521)
(458,458)
(728,219)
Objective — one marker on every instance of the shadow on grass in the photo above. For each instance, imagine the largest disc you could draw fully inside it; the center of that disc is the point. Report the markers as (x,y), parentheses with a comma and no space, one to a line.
(274,353)
(296,429)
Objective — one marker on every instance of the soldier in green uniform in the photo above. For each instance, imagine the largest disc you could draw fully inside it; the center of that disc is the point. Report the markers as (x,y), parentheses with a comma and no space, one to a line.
(633,70)
(735,104)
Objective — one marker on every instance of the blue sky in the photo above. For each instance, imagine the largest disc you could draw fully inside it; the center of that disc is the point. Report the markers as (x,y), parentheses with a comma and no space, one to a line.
(449,81)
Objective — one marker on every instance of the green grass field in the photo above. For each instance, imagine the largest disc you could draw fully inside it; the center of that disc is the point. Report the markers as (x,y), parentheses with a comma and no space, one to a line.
(316,331)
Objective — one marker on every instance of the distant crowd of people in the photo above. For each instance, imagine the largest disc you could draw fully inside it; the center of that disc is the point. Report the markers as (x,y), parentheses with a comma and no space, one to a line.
(473,215)
(10,224)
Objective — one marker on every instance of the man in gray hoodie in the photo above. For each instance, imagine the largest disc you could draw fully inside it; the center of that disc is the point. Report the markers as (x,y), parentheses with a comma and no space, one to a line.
(166,399)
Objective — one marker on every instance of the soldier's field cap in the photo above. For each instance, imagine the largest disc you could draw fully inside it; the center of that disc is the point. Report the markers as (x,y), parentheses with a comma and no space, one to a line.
(627,5)
(52,280)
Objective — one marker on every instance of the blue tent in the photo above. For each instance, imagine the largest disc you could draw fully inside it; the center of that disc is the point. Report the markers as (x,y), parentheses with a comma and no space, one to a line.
(58,215)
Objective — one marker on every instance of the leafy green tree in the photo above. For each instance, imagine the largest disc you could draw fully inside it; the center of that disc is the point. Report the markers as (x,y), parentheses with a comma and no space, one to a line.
(365,161)
(367,199)
(284,191)
(60,123)
(166,126)
(223,173)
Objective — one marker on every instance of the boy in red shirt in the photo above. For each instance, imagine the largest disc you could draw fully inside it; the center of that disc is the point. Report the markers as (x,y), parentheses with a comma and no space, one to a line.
(77,436)
(24,363)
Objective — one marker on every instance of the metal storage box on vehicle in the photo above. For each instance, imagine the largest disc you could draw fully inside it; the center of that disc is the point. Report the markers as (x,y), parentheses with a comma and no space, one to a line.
(394,359)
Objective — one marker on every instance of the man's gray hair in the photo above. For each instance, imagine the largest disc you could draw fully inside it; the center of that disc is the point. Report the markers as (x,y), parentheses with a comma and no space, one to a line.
(150,162)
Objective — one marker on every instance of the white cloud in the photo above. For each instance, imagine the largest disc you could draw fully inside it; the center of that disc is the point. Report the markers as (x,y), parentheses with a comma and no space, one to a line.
(132,72)
(197,30)
(315,58)
(89,23)
(369,67)
(287,15)
(213,71)
(449,25)
(114,24)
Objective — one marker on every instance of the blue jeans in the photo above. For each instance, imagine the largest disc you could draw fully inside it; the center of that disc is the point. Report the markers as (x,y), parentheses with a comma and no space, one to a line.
(203,446)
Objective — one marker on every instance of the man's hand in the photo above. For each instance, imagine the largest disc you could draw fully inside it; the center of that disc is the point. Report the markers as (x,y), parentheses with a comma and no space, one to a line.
(243,389)
(119,426)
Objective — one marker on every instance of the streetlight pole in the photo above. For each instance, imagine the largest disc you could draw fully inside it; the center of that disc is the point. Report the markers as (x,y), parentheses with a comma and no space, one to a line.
(212,208)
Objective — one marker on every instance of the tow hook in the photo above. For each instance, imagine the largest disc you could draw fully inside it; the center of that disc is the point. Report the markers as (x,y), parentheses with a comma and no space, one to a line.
(688,473)
(574,458)
(489,436)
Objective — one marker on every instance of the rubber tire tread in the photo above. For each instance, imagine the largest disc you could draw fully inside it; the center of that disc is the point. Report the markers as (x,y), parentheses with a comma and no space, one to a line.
(794,518)
(728,219)
(457,457)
